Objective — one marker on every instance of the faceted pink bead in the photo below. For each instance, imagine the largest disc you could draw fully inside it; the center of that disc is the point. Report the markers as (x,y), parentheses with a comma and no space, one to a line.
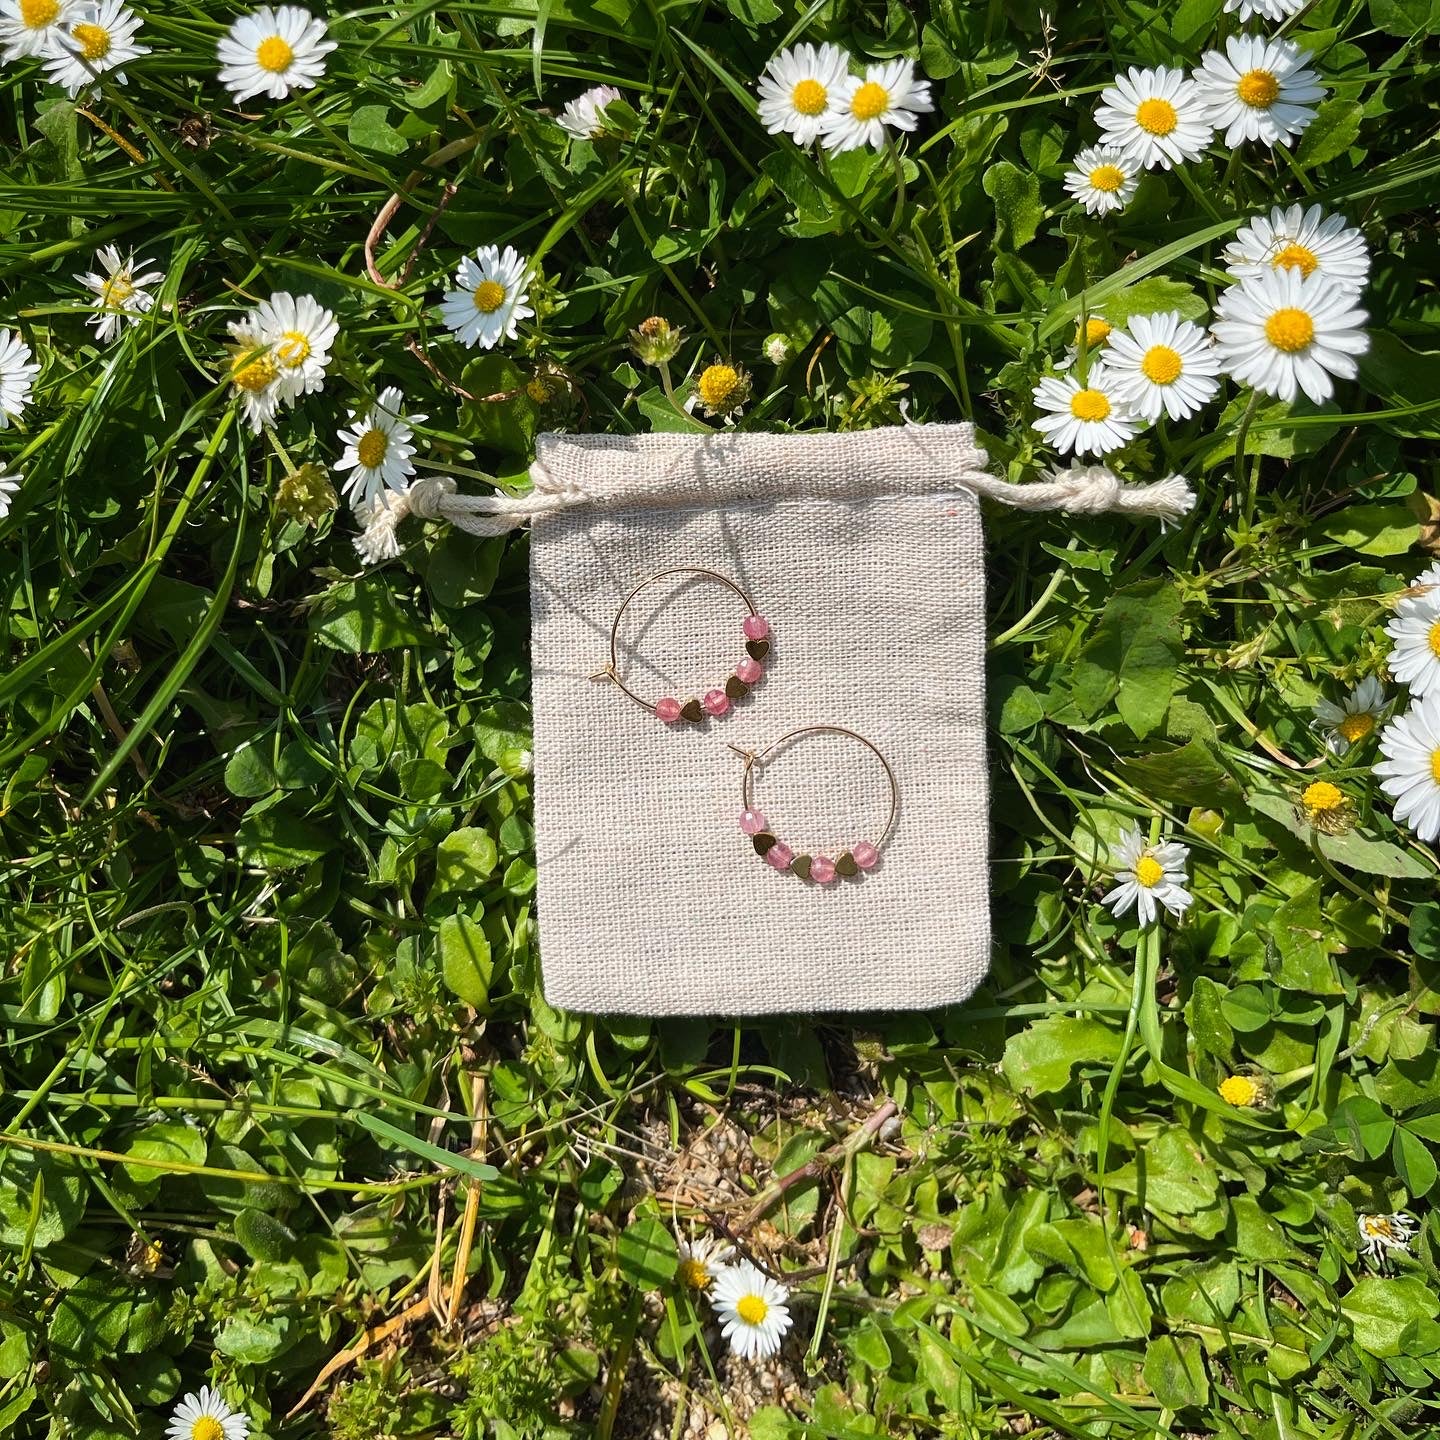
(752,822)
(749,670)
(779,855)
(866,855)
(822,869)
(668,709)
(757,627)
(717,702)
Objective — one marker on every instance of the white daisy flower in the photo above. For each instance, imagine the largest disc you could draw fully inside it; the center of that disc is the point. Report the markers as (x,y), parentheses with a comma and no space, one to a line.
(489,297)
(17,375)
(120,294)
(798,87)
(752,1308)
(1266,9)
(377,449)
(1415,659)
(272,52)
(301,331)
(100,39)
(1380,1234)
(380,519)
(1161,362)
(9,488)
(862,106)
(31,27)
(584,116)
(1102,178)
(1410,770)
(254,373)
(701,1261)
(1354,719)
(1286,331)
(1258,89)
(1421,592)
(206,1416)
(1305,240)
(1155,116)
(1088,419)
(1153,875)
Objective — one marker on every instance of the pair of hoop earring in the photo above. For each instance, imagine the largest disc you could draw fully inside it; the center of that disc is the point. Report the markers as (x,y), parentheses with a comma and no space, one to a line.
(854,858)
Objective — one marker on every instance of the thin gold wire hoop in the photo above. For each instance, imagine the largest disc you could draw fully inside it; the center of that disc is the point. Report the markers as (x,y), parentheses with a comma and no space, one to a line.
(752,758)
(612,670)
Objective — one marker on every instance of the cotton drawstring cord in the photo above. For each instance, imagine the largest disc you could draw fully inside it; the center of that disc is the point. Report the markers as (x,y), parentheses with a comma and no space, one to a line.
(1080,490)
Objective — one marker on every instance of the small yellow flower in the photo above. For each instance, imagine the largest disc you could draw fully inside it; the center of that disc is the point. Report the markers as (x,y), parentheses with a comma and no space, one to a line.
(1240,1091)
(1325,807)
(1094,332)
(722,389)
(307,495)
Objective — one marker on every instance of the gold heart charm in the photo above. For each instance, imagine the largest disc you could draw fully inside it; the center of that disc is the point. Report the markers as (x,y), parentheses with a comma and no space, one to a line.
(846,865)
(762,842)
(801,866)
(736,688)
(758,649)
(691,711)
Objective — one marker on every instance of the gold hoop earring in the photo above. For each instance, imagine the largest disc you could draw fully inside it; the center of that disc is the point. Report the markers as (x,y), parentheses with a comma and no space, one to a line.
(822,869)
(747,674)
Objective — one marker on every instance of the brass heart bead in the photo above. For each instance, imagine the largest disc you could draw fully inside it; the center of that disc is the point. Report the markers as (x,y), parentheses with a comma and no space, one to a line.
(846,865)
(736,688)
(801,866)
(758,649)
(691,711)
(762,842)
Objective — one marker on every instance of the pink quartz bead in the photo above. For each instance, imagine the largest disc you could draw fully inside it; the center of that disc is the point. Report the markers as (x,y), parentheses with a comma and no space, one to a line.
(668,709)
(866,855)
(752,822)
(757,627)
(779,855)
(717,702)
(749,670)
(822,869)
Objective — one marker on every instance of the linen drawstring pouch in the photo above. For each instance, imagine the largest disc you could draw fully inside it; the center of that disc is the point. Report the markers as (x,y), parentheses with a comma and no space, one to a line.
(864,552)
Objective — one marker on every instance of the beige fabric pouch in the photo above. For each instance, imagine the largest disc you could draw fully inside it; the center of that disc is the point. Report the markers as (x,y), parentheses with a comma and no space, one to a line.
(865,553)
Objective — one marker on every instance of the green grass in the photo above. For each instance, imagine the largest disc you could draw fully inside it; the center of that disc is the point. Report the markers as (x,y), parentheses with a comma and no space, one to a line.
(248,789)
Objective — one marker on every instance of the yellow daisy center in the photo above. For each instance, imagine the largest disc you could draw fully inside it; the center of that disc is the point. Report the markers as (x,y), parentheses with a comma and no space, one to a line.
(253,374)
(1156,116)
(808,97)
(1378,1225)
(870,101)
(717,385)
(1258,89)
(372,447)
(1356,727)
(1435,766)
(1433,639)
(1149,871)
(273,54)
(1290,329)
(1239,1090)
(293,349)
(1108,178)
(207,1427)
(116,291)
(1097,332)
(94,41)
(1089,405)
(37,14)
(489,296)
(1161,365)
(693,1273)
(752,1309)
(1322,797)
(1297,257)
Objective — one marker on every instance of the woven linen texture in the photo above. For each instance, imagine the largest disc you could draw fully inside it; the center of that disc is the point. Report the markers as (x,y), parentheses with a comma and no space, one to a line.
(868,564)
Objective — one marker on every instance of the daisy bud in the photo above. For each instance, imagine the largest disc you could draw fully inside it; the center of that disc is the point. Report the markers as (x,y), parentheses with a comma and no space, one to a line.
(777,349)
(307,495)
(1244,1092)
(656,341)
